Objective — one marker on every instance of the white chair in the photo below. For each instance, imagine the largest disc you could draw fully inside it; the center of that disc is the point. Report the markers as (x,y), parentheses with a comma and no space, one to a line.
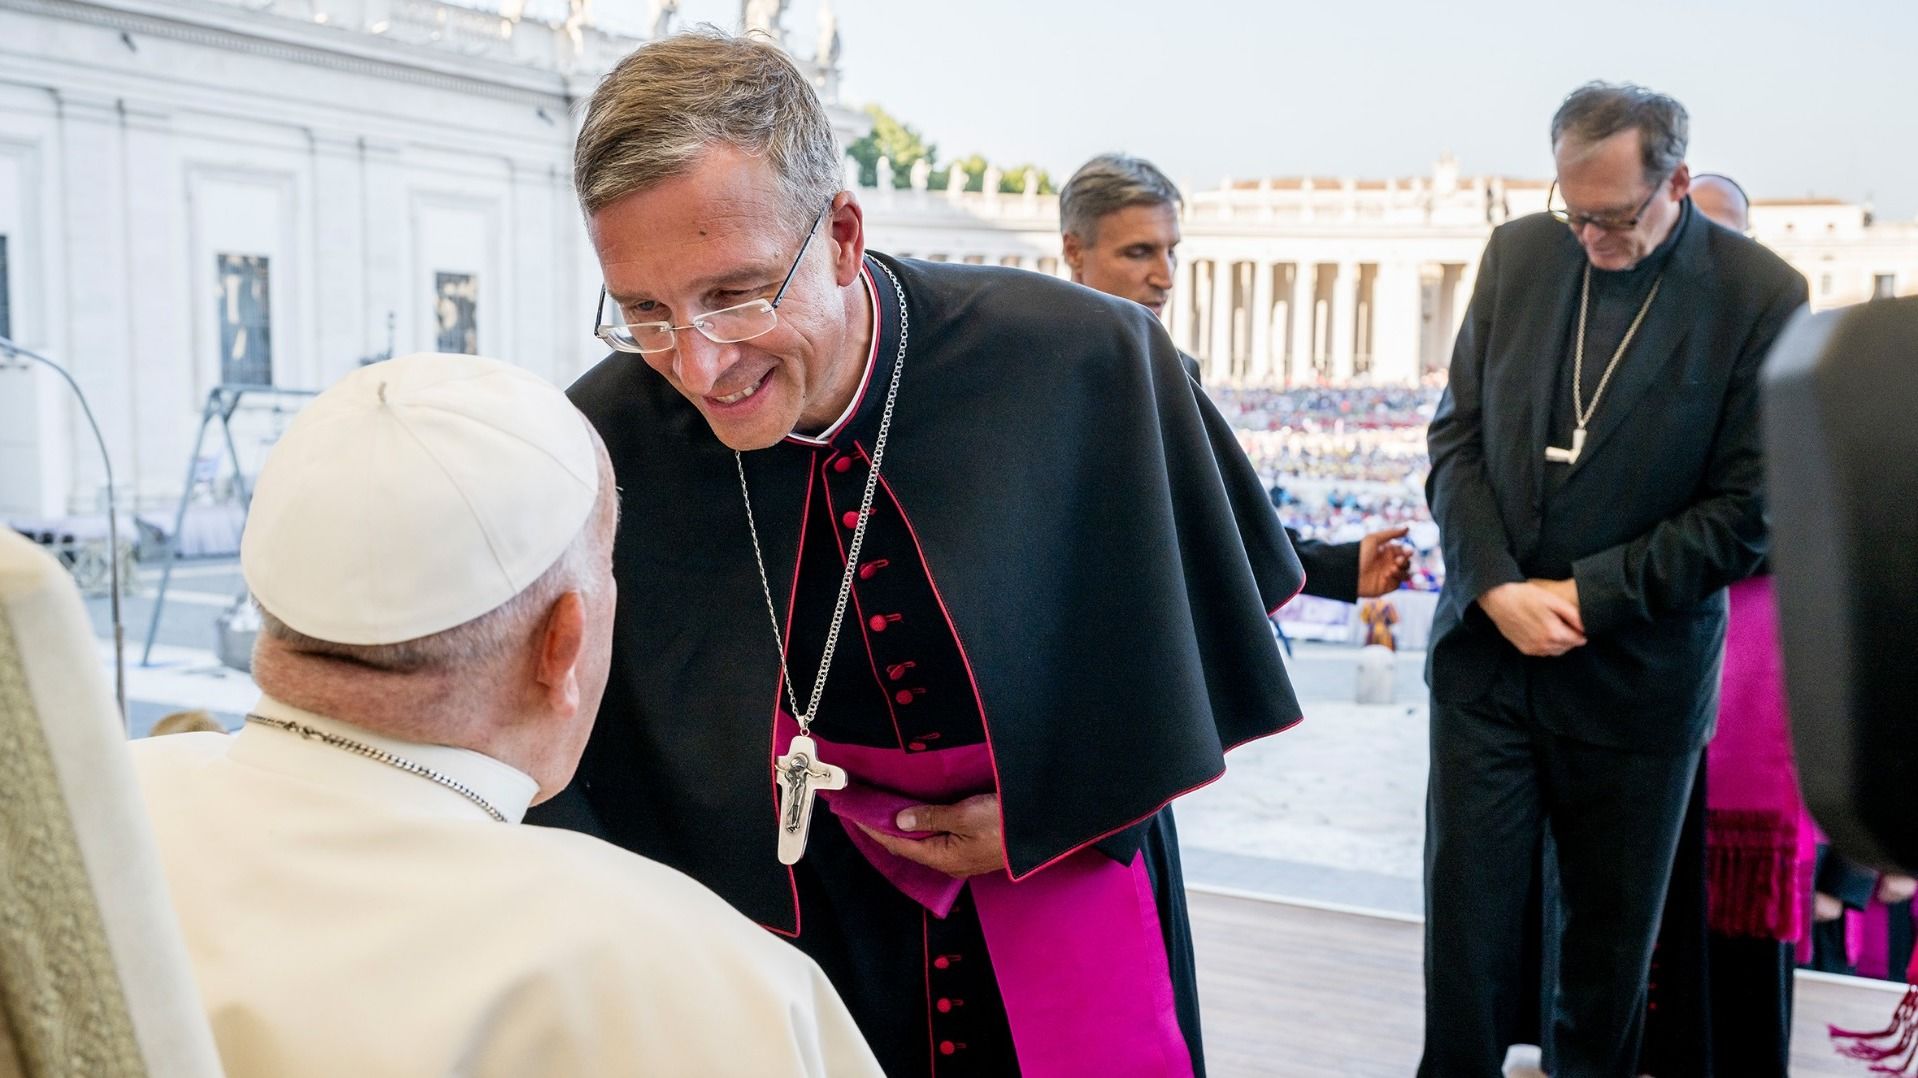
(94,976)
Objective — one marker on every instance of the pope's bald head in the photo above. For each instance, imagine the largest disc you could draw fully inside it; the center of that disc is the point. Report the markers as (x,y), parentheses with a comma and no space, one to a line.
(1722,200)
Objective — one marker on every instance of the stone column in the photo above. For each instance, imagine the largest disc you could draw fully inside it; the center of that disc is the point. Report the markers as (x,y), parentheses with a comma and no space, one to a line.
(160,377)
(1305,298)
(1396,321)
(93,174)
(1345,290)
(1462,294)
(343,326)
(1259,369)
(1218,363)
(388,217)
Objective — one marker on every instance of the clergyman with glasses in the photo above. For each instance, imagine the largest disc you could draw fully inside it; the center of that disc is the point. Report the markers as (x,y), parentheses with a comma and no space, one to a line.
(934,578)
(1596,482)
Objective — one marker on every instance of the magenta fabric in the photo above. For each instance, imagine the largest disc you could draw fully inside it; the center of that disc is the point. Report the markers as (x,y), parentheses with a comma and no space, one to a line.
(1760,844)
(1076,947)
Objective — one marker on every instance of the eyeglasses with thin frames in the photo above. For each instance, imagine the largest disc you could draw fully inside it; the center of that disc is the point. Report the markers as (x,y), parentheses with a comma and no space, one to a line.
(1605,222)
(728,325)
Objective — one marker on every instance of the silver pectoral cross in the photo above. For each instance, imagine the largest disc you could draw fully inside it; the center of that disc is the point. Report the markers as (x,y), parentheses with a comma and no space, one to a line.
(1559,455)
(801,774)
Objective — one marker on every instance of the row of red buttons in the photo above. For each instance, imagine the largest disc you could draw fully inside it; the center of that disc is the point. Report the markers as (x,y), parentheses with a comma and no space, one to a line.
(878,623)
(945,1005)
(881,622)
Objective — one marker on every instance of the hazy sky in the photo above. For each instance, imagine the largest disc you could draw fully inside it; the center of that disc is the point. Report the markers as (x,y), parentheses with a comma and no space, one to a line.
(1788,96)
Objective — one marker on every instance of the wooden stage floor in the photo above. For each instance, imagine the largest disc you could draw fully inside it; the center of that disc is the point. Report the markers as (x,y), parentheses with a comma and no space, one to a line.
(1291,990)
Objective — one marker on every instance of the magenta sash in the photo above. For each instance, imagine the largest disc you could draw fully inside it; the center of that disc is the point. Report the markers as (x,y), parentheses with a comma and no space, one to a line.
(1076,948)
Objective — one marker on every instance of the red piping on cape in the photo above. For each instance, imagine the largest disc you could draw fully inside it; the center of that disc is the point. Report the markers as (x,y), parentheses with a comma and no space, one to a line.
(1137,820)
(779,688)
(1274,612)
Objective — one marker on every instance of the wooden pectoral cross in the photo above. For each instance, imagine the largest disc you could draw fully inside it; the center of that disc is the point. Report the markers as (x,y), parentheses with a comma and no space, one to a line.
(801,774)
(1559,455)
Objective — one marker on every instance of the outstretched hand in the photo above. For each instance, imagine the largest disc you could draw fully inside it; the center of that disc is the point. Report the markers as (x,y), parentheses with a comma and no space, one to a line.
(1384,563)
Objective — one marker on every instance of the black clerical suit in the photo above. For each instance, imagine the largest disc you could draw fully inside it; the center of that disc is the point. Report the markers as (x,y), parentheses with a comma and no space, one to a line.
(1659,513)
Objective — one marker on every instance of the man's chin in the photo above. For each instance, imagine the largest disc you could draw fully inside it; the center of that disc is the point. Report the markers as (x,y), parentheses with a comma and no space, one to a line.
(1611,261)
(745,437)
(744,432)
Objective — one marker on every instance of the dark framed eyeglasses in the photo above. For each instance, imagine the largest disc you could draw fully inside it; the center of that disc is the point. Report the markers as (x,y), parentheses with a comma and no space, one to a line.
(728,325)
(1608,222)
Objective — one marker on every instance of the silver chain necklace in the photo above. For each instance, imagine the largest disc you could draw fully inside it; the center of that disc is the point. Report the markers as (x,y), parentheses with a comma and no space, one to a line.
(1581,414)
(800,772)
(360,748)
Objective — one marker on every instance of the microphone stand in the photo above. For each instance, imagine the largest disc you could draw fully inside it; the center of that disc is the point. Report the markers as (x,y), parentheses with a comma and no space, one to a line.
(11,350)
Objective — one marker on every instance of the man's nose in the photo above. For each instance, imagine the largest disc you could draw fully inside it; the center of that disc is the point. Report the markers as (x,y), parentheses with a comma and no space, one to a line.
(699,362)
(1162,273)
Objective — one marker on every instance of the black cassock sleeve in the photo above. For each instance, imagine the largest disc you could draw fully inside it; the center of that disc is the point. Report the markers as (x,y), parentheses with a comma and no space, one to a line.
(1331,569)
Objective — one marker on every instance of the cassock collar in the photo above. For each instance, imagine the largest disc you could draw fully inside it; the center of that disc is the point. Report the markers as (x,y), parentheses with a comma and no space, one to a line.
(506,788)
(860,420)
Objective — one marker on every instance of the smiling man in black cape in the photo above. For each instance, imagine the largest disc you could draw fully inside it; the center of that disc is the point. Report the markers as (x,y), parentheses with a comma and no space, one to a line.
(1034,555)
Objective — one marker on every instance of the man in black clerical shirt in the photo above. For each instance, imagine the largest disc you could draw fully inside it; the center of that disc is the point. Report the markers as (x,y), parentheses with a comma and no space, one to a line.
(908,600)
(1119,225)
(1596,481)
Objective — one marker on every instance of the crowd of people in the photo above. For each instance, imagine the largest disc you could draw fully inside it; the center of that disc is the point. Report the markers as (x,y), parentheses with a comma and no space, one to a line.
(1319,408)
(1343,462)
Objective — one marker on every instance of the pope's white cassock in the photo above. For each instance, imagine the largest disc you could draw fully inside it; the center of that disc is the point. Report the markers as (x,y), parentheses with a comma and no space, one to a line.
(347,918)
(358,905)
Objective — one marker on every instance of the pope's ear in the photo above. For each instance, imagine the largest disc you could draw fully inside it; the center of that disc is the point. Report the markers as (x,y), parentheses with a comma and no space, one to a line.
(562,640)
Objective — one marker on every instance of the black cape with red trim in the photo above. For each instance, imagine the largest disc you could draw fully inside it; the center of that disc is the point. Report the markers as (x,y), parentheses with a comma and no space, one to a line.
(1105,551)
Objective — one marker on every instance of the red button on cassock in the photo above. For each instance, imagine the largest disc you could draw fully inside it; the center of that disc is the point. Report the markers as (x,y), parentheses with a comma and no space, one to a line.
(920,746)
(903,696)
(945,1006)
(947,1048)
(942,962)
(878,622)
(842,465)
(850,518)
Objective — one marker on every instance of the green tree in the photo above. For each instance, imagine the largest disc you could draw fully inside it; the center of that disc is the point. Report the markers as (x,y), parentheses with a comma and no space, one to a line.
(894,140)
(1014,180)
(975,166)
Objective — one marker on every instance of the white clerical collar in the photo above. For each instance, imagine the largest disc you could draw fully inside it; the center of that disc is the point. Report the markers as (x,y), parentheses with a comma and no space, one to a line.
(500,785)
(824,437)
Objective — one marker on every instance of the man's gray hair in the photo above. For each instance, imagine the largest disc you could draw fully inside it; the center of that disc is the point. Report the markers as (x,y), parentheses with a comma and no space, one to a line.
(1598,110)
(669,101)
(1107,183)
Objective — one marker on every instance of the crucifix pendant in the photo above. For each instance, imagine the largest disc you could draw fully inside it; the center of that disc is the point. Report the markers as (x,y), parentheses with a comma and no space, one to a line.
(1559,455)
(801,774)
